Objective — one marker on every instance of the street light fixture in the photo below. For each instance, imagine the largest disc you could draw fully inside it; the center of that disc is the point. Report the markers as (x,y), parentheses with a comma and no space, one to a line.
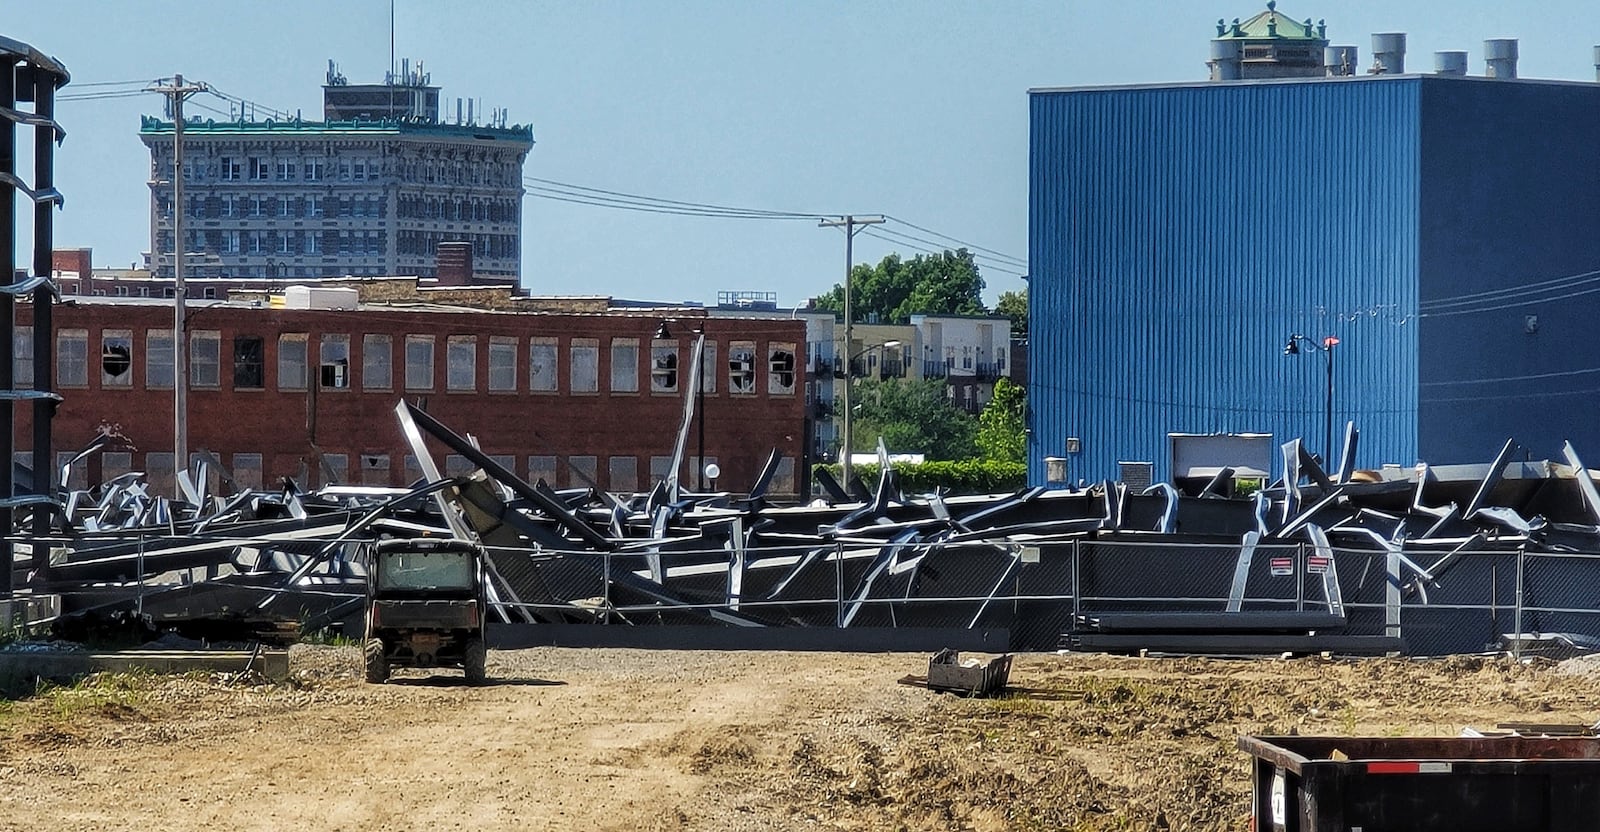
(849,378)
(1326,348)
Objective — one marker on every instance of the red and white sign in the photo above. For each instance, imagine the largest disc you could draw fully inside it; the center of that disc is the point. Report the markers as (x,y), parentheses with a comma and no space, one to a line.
(1282,567)
(1411,767)
(1317,564)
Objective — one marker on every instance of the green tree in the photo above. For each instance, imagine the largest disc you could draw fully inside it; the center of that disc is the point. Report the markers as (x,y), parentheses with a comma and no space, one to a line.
(1014,305)
(896,289)
(912,416)
(1002,423)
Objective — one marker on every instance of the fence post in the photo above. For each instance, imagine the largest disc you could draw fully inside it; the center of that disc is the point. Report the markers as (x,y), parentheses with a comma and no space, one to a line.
(1391,605)
(1300,577)
(1077,584)
(1516,643)
(605,590)
(139,603)
(838,583)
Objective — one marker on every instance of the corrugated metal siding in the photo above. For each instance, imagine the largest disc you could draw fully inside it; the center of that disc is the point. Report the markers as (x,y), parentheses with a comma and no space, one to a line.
(1510,228)
(1179,235)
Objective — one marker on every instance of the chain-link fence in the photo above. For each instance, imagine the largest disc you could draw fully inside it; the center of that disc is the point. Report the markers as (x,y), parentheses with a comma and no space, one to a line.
(1437,599)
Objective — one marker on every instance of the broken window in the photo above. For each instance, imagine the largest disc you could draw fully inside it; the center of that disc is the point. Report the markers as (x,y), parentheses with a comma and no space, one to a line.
(248,366)
(205,358)
(334,358)
(502,363)
(374,469)
(624,365)
(22,350)
(660,469)
(585,354)
(542,355)
(781,369)
(419,362)
(72,358)
(116,358)
(292,361)
(461,363)
(664,367)
(157,359)
(742,367)
(377,362)
(158,471)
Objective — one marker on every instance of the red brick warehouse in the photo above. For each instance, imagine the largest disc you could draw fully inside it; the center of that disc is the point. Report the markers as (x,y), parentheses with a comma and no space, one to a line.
(310,393)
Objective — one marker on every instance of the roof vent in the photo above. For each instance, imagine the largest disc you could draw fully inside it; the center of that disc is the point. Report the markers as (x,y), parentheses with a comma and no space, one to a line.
(1450,62)
(1338,61)
(1500,57)
(1597,63)
(1389,53)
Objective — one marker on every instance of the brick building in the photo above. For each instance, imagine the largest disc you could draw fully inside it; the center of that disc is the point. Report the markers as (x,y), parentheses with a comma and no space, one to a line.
(570,397)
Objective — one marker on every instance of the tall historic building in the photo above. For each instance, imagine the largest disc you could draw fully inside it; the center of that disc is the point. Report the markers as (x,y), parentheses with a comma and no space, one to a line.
(372,189)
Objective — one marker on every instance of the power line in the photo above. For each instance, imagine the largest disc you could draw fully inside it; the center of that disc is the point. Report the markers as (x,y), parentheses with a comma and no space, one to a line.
(1553,284)
(999,254)
(883,235)
(683,212)
(903,238)
(104,95)
(652,200)
(139,81)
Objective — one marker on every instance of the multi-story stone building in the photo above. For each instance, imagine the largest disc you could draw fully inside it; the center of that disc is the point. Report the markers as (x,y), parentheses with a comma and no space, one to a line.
(373,189)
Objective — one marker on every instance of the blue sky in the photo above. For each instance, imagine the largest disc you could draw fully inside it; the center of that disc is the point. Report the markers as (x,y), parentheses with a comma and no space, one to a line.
(911,108)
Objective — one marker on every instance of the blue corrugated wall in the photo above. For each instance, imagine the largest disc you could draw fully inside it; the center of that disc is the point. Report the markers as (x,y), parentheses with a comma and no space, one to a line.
(1510,228)
(1179,235)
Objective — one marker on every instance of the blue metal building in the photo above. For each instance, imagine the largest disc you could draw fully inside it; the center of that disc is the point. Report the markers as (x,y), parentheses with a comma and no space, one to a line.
(1446,229)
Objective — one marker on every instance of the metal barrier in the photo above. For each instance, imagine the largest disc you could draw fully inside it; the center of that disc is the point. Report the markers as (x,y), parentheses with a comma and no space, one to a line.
(1438,601)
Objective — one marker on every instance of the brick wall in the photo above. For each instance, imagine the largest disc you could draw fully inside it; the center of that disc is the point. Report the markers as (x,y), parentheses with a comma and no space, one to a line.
(282,422)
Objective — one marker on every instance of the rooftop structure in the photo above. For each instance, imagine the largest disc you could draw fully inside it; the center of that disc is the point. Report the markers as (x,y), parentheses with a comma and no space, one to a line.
(1268,45)
(373,190)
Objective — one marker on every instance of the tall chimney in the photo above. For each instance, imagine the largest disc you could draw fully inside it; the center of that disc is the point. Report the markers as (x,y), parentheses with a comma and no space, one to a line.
(1450,62)
(1500,57)
(1389,53)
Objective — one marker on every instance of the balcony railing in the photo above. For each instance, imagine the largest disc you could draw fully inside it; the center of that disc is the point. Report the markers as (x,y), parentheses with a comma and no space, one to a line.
(935,369)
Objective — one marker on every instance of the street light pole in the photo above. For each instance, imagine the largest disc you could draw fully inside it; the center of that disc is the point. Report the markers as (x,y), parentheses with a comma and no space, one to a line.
(700,405)
(1326,348)
(851,224)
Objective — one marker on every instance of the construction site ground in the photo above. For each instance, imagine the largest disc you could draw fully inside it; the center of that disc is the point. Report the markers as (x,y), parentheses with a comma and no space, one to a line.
(668,740)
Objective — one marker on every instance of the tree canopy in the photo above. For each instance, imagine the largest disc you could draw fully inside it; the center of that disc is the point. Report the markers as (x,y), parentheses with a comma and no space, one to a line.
(1014,305)
(1002,424)
(895,289)
(912,416)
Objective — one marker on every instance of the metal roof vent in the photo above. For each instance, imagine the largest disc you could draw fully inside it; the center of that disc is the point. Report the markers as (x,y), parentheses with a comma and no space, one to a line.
(1389,53)
(1339,61)
(1450,62)
(1500,57)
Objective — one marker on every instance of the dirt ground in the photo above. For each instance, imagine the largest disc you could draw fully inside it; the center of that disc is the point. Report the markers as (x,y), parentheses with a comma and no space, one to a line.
(657,740)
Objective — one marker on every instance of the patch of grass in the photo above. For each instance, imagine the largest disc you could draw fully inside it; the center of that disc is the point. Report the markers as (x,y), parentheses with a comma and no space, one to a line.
(98,693)
(327,636)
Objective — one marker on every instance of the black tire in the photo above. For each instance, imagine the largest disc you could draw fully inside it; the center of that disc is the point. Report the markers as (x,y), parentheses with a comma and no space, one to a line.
(377,663)
(473,658)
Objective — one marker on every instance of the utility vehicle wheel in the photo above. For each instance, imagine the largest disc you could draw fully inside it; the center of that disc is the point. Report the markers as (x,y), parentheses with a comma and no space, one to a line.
(473,659)
(377,662)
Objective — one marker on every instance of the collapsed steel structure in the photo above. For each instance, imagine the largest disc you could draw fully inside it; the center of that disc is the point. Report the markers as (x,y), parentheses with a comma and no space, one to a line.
(1096,568)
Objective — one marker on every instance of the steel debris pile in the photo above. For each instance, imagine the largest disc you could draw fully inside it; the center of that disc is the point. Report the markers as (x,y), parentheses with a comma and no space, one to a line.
(1107,567)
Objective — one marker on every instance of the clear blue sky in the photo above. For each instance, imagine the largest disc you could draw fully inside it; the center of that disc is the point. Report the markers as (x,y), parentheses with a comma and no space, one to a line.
(912,108)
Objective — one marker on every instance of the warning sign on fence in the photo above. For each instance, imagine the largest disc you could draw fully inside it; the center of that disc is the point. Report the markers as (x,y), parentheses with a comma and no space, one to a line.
(1282,567)
(1317,564)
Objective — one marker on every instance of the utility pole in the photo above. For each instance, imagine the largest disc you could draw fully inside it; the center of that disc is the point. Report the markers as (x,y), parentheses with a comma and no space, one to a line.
(176,93)
(851,224)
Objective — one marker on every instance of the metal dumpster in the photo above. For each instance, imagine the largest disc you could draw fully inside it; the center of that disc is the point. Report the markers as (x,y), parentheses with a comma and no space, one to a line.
(1386,784)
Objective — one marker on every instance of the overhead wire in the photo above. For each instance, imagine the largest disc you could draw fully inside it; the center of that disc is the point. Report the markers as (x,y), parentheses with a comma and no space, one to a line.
(975,247)
(923,249)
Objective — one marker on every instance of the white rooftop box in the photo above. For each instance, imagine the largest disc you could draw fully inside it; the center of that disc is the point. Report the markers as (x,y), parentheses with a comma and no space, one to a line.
(320,297)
